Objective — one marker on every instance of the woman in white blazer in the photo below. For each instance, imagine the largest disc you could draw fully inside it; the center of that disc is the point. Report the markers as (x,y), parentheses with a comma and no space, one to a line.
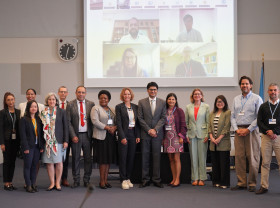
(197,120)
(104,128)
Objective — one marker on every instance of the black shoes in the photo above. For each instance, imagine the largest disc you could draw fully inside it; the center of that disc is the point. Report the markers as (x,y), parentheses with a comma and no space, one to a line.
(102,187)
(158,184)
(262,190)
(51,188)
(252,188)
(236,188)
(144,184)
(108,185)
(29,189)
(8,188)
(75,185)
(34,188)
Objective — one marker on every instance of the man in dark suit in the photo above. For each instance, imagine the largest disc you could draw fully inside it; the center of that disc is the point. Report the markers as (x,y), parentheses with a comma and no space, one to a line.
(151,115)
(80,131)
(63,93)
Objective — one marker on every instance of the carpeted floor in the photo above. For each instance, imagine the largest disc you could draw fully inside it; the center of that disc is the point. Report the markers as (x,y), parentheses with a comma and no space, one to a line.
(149,197)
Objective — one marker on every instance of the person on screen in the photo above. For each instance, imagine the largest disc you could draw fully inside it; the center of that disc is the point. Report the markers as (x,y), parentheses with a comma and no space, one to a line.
(134,35)
(190,67)
(190,35)
(128,67)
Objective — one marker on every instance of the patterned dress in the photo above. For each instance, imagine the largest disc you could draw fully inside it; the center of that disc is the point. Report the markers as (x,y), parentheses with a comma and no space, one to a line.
(171,140)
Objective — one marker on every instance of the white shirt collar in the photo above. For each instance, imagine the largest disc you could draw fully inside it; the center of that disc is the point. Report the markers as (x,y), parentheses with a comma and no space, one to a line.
(150,99)
(277,101)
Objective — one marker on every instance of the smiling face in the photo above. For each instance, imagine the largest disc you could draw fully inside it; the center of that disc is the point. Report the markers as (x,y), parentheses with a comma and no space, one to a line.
(197,96)
(152,91)
(62,93)
(10,101)
(245,86)
(220,104)
(127,96)
(33,108)
(273,92)
(171,101)
(51,101)
(103,100)
(30,95)
(81,93)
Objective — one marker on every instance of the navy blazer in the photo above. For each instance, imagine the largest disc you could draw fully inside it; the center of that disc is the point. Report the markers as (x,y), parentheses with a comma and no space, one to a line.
(122,120)
(27,133)
(6,125)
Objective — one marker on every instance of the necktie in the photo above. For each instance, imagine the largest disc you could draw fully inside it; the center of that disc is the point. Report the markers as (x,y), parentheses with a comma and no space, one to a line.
(153,106)
(82,114)
(62,105)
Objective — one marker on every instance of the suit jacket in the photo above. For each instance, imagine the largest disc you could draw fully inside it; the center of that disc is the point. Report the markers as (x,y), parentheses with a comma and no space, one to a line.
(22,107)
(99,120)
(148,121)
(74,117)
(27,133)
(223,128)
(6,125)
(197,128)
(61,126)
(122,120)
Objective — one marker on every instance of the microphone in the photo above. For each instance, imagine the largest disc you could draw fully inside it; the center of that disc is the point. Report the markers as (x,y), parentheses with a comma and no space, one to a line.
(89,191)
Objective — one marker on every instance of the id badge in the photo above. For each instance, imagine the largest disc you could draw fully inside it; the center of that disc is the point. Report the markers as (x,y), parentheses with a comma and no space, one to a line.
(168,128)
(241,113)
(131,125)
(14,136)
(272,121)
(110,122)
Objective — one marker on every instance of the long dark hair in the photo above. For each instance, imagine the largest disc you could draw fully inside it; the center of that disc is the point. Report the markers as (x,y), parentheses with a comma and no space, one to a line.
(171,95)
(27,109)
(225,108)
(5,97)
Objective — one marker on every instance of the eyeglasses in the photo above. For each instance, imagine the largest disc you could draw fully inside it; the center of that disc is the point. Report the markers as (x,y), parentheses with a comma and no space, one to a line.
(152,89)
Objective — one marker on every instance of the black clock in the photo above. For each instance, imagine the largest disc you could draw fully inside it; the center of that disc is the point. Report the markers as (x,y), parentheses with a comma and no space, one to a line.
(67,49)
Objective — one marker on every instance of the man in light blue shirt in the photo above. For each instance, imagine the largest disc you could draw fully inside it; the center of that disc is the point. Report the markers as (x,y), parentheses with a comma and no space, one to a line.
(247,139)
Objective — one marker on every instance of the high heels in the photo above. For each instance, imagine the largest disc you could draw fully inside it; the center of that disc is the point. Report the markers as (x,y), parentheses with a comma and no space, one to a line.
(51,188)
(102,187)
(108,185)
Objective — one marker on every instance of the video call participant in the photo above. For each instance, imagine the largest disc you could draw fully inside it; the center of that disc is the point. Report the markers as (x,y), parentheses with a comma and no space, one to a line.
(134,36)
(190,35)
(151,115)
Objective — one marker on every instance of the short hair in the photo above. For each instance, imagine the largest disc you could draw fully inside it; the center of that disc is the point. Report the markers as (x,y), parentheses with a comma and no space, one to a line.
(152,84)
(81,86)
(48,96)
(28,106)
(187,16)
(171,95)
(62,87)
(105,92)
(5,97)
(133,18)
(32,90)
(196,89)
(123,91)
(245,77)
(225,108)
(273,84)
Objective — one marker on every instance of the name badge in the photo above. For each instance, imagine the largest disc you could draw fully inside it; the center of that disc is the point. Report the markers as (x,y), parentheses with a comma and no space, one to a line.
(14,136)
(110,122)
(131,125)
(272,121)
(168,128)
(242,113)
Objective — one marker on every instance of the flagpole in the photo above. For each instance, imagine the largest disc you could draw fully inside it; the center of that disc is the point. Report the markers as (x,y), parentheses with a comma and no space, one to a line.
(262,84)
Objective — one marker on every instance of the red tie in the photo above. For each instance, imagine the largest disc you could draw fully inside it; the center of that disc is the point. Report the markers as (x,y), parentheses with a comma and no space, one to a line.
(82,114)
(62,105)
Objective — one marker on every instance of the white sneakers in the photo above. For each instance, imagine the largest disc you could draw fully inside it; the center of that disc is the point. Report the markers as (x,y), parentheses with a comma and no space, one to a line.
(126,184)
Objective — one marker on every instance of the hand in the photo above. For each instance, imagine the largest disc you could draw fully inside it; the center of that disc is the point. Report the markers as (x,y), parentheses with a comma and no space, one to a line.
(213,140)
(65,145)
(26,152)
(112,129)
(242,132)
(181,140)
(137,140)
(152,133)
(188,140)
(3,148)
(41,150)
(75,140)
(269,132)
(205,140)
(124,141)
(218,141)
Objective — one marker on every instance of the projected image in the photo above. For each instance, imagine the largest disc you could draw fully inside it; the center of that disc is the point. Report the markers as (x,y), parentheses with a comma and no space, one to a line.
(131,60)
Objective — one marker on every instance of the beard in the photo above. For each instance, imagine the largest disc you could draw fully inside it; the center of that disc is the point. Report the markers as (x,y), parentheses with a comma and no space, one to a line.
(133,33)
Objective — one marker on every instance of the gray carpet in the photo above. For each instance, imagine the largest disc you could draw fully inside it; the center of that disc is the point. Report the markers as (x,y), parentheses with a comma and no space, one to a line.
(149,197)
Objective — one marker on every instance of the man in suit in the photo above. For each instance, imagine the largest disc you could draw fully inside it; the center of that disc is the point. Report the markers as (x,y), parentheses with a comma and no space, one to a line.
(63,93)
(80,131)
(151,115)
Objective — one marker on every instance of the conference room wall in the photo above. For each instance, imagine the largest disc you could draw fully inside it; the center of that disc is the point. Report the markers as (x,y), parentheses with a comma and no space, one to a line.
(30,29)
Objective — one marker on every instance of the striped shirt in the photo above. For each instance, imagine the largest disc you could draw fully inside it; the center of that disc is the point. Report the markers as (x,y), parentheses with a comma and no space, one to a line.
(216,122)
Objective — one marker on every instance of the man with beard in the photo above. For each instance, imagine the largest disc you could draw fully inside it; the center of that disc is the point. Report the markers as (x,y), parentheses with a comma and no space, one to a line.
(134,37)
(247,139)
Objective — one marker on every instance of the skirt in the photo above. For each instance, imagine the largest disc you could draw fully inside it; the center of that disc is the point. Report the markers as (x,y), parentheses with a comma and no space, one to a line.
(54,158)
(105,150)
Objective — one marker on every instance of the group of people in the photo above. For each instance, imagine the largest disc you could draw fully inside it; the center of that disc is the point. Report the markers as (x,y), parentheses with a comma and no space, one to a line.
(52,130)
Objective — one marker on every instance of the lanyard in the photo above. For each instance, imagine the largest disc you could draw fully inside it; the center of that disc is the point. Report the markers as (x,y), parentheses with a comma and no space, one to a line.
(34,124)
(242,105)
(170,115)
(108,113)
(13,119)
(274,109)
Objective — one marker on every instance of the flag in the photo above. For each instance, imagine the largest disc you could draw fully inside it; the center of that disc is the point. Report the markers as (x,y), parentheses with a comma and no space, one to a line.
(261,92)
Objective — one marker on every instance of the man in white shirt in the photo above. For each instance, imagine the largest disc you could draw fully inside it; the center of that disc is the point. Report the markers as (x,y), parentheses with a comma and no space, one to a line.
(134,36)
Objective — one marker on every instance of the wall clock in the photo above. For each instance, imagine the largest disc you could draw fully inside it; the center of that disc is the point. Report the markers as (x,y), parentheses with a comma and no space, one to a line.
(67,48)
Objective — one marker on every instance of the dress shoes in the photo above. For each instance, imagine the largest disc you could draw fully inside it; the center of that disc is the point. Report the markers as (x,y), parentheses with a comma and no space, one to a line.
(34,188)
(262,190)
(237,188)
(29,189)
(51,188)
(158,184)
(75,185)
(86,184)
(12,186)
(102,187)
(8,188)
(252,188)
(108,185)
(65,183)
(144,184)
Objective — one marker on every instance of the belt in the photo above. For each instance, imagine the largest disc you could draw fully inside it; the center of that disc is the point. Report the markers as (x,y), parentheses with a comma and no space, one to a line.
(83,132)
(131,127)
(243,126)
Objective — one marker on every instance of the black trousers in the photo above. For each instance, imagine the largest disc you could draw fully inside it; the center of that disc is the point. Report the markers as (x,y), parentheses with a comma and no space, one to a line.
(66,162)
(220,167)
(126,155)
(10,155)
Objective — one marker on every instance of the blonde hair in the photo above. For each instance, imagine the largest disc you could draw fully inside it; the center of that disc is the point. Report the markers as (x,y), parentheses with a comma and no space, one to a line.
(123,91)
(196,89)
